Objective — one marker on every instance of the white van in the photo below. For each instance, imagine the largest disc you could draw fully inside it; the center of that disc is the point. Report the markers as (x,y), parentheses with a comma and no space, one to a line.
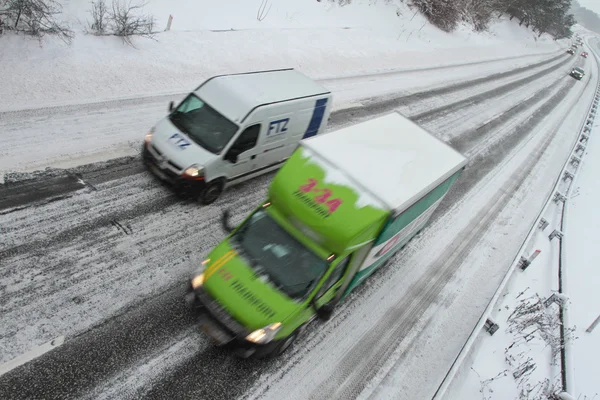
(235,127)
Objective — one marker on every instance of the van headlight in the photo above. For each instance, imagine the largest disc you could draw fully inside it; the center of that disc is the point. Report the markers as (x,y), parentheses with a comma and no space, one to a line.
(194,171)
(148,137)
(264,335)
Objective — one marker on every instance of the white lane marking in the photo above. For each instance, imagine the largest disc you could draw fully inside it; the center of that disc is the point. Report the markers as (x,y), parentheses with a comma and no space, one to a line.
(30,355)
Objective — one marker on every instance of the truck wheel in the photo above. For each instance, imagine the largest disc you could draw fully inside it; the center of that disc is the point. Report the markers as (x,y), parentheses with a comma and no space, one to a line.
(286,344)
(211,192)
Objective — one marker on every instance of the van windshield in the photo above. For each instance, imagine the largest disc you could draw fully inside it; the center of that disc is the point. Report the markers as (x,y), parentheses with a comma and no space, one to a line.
(203,124)
(277,256)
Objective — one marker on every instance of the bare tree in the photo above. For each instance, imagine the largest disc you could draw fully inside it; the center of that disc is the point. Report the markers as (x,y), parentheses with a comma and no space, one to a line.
(35,17)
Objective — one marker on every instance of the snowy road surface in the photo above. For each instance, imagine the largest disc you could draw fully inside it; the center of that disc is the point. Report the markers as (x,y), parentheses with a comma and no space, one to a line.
(100,253)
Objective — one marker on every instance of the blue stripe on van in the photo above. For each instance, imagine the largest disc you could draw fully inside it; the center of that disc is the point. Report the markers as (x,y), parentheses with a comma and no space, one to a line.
(317,118)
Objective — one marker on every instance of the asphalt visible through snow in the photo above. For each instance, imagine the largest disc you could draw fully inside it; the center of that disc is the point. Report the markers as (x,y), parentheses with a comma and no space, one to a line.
(70,213)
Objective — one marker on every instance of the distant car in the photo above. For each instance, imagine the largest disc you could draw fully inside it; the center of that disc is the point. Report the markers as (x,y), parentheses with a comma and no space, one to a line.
(577,73)
(584,54)
(571,51)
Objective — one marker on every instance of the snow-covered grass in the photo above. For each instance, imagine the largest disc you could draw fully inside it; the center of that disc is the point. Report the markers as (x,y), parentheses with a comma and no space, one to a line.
(320,38)
(522,360)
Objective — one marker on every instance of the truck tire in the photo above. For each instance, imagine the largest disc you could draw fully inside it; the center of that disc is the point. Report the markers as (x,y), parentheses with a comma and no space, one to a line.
(286,344)
(211,192)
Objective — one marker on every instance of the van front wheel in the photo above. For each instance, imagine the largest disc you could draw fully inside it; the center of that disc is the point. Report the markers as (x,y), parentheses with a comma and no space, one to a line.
(211,192)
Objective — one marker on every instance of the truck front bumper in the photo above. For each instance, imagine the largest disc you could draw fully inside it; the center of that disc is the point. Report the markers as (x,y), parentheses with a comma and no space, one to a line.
(222,329)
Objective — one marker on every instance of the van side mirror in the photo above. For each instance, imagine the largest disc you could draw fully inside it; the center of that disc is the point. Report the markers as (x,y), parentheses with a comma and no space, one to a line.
(225,222)
(232,156)
(171,106)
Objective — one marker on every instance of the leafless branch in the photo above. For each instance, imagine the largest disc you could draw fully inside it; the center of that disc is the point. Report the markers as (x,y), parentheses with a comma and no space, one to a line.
(261,14)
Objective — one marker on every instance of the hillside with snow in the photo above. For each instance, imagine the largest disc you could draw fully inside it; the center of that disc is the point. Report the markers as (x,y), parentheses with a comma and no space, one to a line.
(322,39)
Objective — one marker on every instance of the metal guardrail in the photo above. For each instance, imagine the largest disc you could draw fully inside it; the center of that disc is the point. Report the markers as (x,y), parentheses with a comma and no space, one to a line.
(584,133)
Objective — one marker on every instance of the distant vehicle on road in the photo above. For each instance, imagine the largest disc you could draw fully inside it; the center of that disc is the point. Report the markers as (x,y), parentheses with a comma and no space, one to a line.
(235,127)
(577,73)
(571,51)
(584,54)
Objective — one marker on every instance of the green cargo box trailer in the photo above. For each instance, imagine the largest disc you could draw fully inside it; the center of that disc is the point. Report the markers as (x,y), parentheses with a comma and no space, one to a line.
(338,209)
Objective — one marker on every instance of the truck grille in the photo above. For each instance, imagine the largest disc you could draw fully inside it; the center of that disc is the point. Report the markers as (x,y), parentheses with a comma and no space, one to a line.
(221,315)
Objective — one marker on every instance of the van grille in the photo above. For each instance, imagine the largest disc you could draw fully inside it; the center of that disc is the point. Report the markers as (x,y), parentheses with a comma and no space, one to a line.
(172,164)
(156,150)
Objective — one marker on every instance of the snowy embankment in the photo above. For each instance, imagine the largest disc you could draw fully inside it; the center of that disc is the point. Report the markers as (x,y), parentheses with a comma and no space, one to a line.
(322,40)
(545,340)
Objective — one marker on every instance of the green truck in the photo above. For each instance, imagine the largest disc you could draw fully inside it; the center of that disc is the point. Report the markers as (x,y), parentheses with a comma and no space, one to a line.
(338,209)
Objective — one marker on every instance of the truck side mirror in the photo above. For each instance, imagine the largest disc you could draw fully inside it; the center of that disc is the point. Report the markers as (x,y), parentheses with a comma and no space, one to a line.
(171,106)
(225,222)
(324,312)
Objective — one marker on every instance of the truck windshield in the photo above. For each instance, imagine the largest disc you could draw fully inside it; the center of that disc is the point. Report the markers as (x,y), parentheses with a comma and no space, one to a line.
(203,124)
(277,256)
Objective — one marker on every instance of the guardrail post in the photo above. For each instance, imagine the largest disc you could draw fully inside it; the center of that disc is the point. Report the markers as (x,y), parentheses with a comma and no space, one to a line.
(567,176)
(584,138)
(559,197)
(553,299)
(490,326)
(575,161)
(556,234)
(526,262)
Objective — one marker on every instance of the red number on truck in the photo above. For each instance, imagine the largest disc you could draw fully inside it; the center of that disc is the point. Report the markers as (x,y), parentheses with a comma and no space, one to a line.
(309,186)
(323,197)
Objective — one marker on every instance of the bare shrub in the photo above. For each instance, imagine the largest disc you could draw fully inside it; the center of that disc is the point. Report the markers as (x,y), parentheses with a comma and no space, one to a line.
(34,17)
(444,14)
(127,22)
(122,19)
(100,17)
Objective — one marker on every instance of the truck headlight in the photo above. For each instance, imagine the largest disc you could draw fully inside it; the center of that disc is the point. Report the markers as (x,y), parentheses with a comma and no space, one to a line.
(264,335)
(194,171)
(198,278)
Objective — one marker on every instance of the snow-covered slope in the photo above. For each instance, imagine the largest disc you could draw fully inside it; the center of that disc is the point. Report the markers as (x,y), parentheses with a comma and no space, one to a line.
(320,38)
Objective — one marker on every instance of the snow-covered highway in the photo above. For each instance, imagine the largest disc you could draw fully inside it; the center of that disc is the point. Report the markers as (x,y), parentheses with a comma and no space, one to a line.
(99,253)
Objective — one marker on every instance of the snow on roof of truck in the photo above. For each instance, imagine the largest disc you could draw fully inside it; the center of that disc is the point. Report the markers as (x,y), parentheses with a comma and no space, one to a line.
(235,95)
(390,157)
